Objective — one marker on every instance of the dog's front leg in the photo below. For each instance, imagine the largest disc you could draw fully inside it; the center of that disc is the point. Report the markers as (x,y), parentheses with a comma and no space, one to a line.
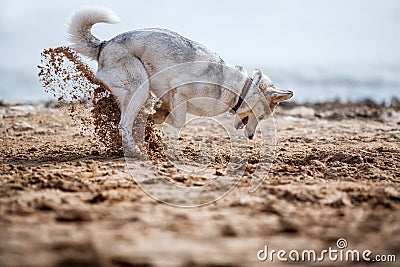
(178,107)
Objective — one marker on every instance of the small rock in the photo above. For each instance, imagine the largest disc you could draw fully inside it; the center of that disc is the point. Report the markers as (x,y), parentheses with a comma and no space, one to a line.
(20,111)
(22,126)
(73,215)
(23,108)
(97,199)
(32,149)
(218,173)
(394,132)
(302,112)
(228,231)
(392,192)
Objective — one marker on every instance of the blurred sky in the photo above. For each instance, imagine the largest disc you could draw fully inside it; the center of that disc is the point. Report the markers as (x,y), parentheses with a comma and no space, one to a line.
(276,32)
(251,33)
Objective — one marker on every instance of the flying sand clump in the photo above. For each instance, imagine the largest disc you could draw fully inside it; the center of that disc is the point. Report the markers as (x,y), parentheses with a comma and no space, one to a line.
(89,101)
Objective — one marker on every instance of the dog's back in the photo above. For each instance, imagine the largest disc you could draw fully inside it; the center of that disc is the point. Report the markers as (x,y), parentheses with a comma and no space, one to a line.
(156,48)
(159,48)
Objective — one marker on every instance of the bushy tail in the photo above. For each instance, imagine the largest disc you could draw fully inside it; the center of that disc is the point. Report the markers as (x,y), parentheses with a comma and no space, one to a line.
(80,25)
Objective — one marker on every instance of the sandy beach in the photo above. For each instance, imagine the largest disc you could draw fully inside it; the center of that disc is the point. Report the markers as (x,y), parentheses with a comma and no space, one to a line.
(66,200)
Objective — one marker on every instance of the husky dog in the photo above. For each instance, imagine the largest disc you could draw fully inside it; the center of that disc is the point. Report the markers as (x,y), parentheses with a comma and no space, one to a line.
(128,62)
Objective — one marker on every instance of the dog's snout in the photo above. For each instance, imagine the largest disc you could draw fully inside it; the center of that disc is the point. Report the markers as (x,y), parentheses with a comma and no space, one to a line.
(280,95)
(251,136)
(287,92)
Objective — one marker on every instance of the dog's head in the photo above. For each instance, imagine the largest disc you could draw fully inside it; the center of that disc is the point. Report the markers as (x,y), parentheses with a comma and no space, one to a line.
(261,101)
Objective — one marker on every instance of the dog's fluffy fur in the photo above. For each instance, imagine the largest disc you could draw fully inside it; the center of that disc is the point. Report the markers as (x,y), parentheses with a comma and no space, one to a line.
(165,63)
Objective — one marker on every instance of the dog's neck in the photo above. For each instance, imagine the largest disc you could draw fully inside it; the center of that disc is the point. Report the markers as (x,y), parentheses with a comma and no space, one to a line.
(243,94)
(236,88)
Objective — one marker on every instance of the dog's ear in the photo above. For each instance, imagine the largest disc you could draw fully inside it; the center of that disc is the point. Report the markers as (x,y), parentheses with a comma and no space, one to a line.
(257,74)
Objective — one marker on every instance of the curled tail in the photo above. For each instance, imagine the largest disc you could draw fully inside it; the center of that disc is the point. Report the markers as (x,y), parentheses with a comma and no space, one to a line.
(80,25)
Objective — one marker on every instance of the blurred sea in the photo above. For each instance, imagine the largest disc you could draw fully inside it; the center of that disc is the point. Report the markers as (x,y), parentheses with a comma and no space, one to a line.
(309,84)
(344,83)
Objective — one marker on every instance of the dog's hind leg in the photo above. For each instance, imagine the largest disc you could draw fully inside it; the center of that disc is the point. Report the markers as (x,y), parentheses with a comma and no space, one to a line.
(128,81)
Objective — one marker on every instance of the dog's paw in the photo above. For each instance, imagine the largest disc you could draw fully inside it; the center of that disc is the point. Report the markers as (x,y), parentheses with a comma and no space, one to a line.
(133,152)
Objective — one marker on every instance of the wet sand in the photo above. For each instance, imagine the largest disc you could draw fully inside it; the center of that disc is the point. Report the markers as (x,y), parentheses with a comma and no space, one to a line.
(67,200)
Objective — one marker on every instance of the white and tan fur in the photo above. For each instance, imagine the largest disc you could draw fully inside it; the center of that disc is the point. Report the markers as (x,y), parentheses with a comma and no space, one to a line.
(129,61)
